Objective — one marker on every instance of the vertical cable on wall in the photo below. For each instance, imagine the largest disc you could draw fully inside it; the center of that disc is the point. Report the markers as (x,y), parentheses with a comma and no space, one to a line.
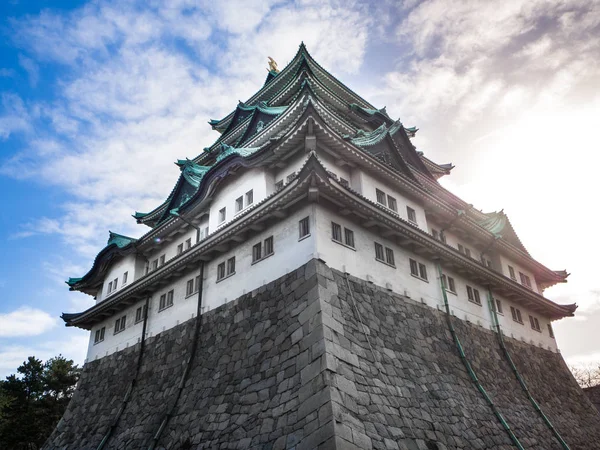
(470,370)
(496,324)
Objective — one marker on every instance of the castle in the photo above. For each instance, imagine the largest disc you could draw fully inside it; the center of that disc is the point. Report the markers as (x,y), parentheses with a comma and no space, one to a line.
(308,283)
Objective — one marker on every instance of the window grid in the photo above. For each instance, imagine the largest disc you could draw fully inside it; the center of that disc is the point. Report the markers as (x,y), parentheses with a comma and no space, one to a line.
(239,204)
(268,250)
(412,215)
(516,314)
(379,254)
(336,232)
(221,271)
(99,336)
(303,228)
(499,307)
(389,256)
(231,266)
(125,278)
(349,237)
(511,271)
(188,243)
(222,215)
(180,249)
(550,331)
(257,252)
(380,197)
(535,324)
(392,204)
(249,197)
(189,288)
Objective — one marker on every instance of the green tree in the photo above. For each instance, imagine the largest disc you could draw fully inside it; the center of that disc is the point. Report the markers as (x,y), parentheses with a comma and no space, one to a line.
(33,401)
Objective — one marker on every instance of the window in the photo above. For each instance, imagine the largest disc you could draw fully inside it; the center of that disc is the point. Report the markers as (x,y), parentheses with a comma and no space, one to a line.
(412,215)
(336,232)
(279,185)
(442,237)
(125,278)
(231,266)
(155,264)
(535,324)
(473,295)
(379,255)
(115,281)
(162,260)
(162,303)
(180,249)
(525,281)
(99,336)
(189,288)
(449,284)
(109,287)
(257,252)
(511,271)
(239,204)
(467,252)
(436,234)
(249,197)
(222,215)
(344,182)
(499,307)
(170,298)
(392,203)
(140,313)
(188,244)
(221,271)
(349,237)
(380,197)
(486,262)
(291,176)
(516,314)
(418,269)
(461,248)
(120,324)
(268,246)
(389,256)
(550,331)
(303,228)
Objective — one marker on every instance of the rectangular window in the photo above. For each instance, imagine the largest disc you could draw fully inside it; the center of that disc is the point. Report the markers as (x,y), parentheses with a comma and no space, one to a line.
(162,303)
(344,182)
(221,271)
(349,237)
(499,307)
(140,313)
(550,331)
(535,324)
(516,314)
(161,262)
(389,256)
(442,237)
(336,232)
(477,297)
(279,185)
(525,281)
(109,287)
(197,288)
(414,267)
(125,278)
(380,197)
(470,293)
(379,255)
(423,271)
(120,324)
(487,263)
(257,252)
(188,244)
(392,204)
(239,204)
(511,271)
(222,215)
(449,284)
(461,248)
(99,336)
(467,252)
(155,264)
(435,234)
(412,215)
(180,249)
(473,295)
(303,228)
(249,197)
(189,287)
(115,281)
(268,250)
(170,298)
(231,266)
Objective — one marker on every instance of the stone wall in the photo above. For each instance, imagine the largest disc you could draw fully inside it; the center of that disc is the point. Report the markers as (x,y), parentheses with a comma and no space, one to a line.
(304,362)
(593,393)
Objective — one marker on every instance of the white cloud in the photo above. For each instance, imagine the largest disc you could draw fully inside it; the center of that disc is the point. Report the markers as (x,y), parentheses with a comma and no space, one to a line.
(32,69)
(25,321)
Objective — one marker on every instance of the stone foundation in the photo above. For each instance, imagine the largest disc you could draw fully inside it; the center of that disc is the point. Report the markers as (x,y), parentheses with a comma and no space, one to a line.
(305,363)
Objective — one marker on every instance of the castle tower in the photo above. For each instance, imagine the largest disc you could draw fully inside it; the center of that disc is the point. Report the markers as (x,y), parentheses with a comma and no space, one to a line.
(308,283)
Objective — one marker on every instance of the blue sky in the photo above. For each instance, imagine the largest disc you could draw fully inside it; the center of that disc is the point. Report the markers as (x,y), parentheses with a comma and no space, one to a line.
(98,99)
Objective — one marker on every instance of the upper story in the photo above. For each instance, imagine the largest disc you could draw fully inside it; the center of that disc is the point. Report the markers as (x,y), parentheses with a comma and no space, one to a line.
(305,136)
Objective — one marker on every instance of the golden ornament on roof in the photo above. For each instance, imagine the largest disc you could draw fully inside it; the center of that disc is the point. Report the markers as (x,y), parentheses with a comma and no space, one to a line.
(272,65)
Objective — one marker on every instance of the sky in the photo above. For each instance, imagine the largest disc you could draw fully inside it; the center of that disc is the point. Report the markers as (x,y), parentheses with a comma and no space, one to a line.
(99,98)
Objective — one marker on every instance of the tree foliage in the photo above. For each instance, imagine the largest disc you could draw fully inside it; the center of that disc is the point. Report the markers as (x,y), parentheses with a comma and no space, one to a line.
(33,401)
(586,376)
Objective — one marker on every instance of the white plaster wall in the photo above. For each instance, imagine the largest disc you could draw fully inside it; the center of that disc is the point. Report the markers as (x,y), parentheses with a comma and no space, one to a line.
(294,164)
(253,179)
(507,262)
(368,185)
(168,246)
(329,163)
(289,254)
(119,266)
(362,263)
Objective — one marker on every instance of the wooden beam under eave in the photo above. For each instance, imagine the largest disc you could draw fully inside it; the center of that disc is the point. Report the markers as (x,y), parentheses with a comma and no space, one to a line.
(222,248)
(280,214)
(240,237)
(345,211)
(369,223)
(389,232)
(257,226)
